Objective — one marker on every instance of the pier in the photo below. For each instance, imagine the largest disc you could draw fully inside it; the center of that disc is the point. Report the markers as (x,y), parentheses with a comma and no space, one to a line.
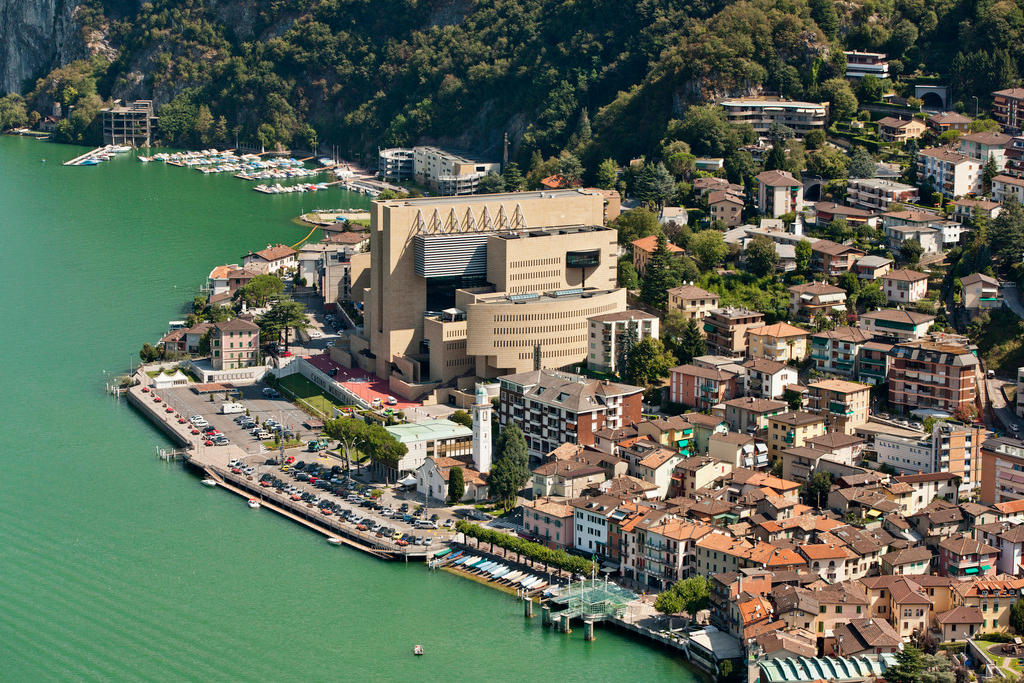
(95,156)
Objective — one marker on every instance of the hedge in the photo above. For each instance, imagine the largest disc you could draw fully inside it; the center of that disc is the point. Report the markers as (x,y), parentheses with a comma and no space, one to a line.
(534,551)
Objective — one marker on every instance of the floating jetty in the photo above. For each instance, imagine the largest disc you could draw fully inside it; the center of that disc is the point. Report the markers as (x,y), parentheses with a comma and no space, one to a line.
(98,155)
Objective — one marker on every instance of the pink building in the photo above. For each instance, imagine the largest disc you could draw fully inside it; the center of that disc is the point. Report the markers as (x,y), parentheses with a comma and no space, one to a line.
(549,522)
(904,285)
(699,387)
(234,344)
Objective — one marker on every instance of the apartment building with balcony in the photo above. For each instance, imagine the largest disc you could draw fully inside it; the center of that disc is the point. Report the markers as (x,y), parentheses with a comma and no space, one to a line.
(843,404)
(780,342)
(666,548)
(949,120)
(833,258)
(1002,470)
(984,146)
(552,407)
(951,447)
(610,333)
(779,193)
(876,194)
(981,293)
(768,378)
(726,207)
(747,414)
(970,209)
(808,300)
(861,64)
(904,286)
(700,387)
(933,375)
(873,362)
(793,430)
(932,230)
(892,129)
(964,555)
(1008,108)
(952,173)
(1005,187)
(762,112)
(549,521)
(896,324)
(726,330)
(692,301)
(835,351)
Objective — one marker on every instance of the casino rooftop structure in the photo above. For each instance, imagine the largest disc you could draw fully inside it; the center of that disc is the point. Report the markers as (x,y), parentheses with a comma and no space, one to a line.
(482,286)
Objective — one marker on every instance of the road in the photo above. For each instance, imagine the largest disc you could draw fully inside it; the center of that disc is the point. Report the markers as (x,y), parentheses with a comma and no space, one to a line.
(1005,414)
(1012,298)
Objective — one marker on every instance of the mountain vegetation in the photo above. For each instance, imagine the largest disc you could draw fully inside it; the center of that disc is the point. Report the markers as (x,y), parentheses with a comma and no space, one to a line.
(573,82)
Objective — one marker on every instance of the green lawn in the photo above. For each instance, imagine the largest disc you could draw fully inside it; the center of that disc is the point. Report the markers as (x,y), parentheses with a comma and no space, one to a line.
(307,394)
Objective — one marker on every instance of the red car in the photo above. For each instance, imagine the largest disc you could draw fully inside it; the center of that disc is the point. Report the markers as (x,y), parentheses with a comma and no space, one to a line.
(286,354)
(326,511)
(312,480)
(207,443)
(265,484)
(361,527)
(289,460)
(169,409)
(145,390)
(235,470)
(182,420)
(195,431)
(157,399)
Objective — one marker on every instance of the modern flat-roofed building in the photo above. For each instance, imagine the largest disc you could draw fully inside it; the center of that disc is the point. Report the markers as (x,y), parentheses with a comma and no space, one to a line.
(1008,107)
(552,408)
(395,163)
(929,374)
(762,112)
(861,64)
(726,330)
(609,333)
(430,439)
(876,194)
(448,173)
(482,285)
(128,124)
(952,447)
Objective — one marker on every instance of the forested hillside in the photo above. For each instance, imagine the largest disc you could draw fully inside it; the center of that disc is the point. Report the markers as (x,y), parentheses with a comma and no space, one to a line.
(601,78)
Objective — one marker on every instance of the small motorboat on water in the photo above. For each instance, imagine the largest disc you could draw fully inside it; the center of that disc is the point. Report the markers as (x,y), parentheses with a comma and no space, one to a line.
(209,482)
(253,503)
(334,540)
(417,650)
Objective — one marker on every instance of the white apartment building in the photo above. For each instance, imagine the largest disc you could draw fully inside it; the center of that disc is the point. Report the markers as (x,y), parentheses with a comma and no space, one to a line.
(861,64)
(609,335)
(1007,187)
(762,112)
(447,173)
(876,194)
(950,172)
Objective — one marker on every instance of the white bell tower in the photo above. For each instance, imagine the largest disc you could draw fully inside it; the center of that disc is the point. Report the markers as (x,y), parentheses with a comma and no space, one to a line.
(482,431)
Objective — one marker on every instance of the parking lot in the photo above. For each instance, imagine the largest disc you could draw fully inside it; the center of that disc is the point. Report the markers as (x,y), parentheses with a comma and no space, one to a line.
(261,408)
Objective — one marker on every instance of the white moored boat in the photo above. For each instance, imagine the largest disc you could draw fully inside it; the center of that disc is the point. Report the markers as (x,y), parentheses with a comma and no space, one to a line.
(209,482)
(253,503)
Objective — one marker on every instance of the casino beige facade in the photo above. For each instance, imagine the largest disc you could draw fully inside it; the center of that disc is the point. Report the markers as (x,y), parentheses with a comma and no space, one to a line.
(478,286)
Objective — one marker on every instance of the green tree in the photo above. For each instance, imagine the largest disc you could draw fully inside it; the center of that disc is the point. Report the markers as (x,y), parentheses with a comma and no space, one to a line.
(910,251)
(647,362)
(511,468)
(492,183)
(842,102)
(793,399)
(815,139)
(654,185)
(636,223)
(870,89)
(760,256)
(654,284)
(1006,235)
(850,282)
(984,125)
(684,269)
(823,323)
(607,174)
(514,180)
(149,353)
(688,595)
(286,314)
(709,247)
(627,275)
(13,113)
(824,14)
(204,124)
(909,666)
(803,253)
(862,164)
(1017,616)
(839,229)
(693,343)
(827,162)
(461,417)
(261,289)
(456,485)
(816,489)
(872,297)
(988,172)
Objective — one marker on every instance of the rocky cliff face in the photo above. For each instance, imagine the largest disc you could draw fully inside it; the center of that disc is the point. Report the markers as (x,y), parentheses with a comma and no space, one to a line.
(35,37)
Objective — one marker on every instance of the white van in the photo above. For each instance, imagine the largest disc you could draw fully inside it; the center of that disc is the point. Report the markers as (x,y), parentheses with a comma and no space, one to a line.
(231,408)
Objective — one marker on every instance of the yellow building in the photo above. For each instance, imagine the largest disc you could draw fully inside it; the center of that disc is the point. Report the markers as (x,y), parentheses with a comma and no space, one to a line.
(792,430)
(844,405)
(693,302)
(779,342)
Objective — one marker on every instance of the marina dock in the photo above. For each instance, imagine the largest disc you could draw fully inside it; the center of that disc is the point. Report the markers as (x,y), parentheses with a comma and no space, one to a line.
(96,156)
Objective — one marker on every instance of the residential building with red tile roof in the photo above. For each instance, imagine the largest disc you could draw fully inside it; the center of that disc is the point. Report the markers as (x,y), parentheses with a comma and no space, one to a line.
(644,248)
